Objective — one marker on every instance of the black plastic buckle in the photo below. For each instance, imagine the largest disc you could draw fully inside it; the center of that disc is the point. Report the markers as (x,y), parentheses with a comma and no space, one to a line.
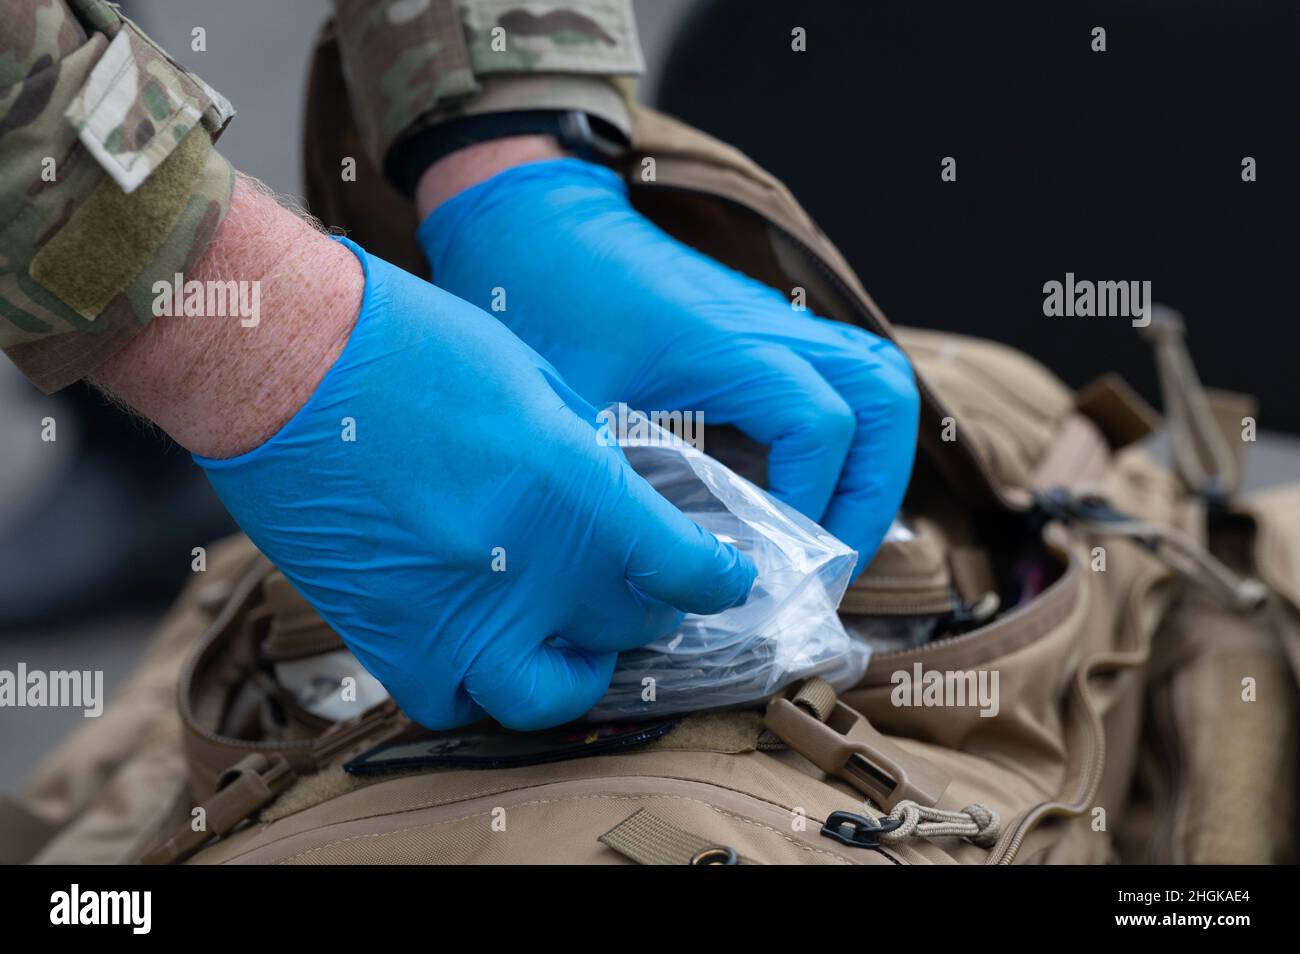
(1218,503)
(1064,506)
(578,134)
(1051,505)
(862,832)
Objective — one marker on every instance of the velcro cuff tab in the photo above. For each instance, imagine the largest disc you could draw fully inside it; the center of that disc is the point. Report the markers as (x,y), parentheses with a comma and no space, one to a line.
(137,105)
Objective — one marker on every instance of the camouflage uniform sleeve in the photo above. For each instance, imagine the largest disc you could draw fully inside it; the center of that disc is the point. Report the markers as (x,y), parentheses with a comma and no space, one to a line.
(412,63)
(108,182)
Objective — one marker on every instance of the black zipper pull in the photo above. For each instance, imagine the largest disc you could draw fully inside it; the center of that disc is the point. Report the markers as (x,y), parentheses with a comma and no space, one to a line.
(1068,507)
(857,831)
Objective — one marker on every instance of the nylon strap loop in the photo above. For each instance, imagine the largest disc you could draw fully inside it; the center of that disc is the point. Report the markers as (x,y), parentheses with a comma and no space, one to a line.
(647,839)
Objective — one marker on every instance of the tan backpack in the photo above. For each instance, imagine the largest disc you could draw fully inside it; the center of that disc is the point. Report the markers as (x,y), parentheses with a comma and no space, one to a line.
(1145,693)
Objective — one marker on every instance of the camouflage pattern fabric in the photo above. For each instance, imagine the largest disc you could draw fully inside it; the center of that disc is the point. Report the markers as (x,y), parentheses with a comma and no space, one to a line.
(138,105)
(411,63)
(108,182)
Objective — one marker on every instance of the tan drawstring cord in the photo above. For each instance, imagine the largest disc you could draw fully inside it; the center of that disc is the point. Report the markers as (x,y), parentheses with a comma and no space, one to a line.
(1180,551)
(976,823)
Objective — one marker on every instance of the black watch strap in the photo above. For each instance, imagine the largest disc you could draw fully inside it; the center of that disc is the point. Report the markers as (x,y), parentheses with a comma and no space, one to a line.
(585,136)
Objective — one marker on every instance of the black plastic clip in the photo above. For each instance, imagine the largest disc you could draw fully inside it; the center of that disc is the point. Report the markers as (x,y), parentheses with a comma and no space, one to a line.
(1066,506)
(857,831)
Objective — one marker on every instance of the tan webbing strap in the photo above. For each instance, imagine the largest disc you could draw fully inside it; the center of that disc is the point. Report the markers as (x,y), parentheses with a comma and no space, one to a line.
(647,839)
(1202,457)
(253,783)
(817,697)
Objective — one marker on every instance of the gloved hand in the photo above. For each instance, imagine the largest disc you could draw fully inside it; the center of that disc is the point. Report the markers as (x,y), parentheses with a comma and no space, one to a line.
(626,313)
(475,545)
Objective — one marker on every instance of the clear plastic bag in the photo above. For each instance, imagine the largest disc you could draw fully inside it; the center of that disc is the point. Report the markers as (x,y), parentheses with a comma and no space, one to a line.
(787,630)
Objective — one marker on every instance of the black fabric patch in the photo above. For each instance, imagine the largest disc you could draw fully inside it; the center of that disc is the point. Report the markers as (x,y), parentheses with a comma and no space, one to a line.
(506,749)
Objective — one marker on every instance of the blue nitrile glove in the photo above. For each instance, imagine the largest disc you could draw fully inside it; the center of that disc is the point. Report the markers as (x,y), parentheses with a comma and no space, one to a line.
(626,313)
(476,546)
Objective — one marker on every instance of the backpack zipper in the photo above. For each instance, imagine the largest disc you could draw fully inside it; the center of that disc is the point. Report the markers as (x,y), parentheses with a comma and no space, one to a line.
(1094,513)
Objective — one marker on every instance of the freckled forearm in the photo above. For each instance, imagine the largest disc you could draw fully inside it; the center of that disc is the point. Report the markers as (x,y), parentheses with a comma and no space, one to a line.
(220,385)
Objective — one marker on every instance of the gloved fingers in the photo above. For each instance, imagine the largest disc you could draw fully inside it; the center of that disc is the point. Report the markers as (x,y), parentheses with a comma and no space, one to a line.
(778,398)
(672,559)
(668,559)
(533,688)
(623,618)
(856,343)
(433,711)
(877,382)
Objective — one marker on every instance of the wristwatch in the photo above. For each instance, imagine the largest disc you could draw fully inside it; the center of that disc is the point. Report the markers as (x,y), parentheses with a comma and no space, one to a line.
(588,137)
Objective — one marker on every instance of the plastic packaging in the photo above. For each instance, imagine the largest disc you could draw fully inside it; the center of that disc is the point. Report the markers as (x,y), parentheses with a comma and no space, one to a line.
(788,629)
(891,634)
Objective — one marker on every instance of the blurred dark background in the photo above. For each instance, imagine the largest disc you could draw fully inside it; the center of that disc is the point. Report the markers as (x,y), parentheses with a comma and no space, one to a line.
(1123,165)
